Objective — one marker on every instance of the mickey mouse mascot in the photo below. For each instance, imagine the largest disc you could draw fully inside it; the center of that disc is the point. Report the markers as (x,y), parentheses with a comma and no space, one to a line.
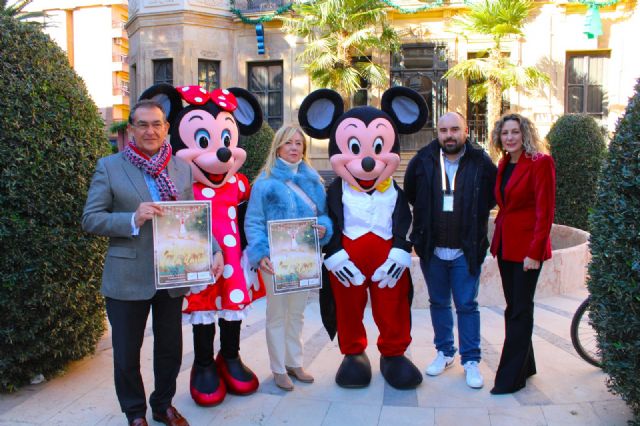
(370,211)
(205,134)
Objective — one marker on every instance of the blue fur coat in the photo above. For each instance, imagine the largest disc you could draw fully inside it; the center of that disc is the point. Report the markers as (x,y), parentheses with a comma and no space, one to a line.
(272,199)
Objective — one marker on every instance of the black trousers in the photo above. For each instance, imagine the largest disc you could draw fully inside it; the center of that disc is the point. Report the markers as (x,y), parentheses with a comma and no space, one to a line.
(517,361)
(128,321)
(203,335)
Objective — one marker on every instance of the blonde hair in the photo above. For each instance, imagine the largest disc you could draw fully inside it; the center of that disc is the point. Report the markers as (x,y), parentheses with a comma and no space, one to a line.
(533,145)
(284,134)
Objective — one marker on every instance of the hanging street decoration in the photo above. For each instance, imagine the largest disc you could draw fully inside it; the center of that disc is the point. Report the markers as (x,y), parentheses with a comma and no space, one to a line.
(593,22)
(264,18)
(260,38)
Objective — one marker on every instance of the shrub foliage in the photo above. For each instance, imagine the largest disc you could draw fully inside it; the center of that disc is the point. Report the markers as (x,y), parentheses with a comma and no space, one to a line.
(614,271)
(578,148)
(257,147)
(51,136)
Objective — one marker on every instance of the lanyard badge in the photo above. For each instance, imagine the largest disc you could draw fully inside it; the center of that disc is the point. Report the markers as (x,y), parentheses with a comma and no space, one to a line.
(447,197)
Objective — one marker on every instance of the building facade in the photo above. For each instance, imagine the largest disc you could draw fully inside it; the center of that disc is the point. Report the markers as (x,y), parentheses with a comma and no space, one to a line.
(92,33)
(185,42)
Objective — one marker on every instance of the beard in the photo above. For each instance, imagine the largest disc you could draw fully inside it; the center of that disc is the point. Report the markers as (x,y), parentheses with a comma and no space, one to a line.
(451,149)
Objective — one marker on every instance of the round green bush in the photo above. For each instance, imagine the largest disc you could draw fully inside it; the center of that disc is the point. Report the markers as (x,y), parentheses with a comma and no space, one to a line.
(257,147)
(578,148)
(614,270)
(51,136)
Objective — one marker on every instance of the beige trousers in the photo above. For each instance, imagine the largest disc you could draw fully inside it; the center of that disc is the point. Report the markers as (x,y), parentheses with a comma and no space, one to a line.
(284,321)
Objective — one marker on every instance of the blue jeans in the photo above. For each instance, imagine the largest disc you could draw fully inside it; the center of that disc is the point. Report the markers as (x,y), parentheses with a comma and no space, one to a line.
(444,279)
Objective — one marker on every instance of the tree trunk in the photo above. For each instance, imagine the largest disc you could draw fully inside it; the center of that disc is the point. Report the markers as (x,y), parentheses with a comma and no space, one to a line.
(494,104)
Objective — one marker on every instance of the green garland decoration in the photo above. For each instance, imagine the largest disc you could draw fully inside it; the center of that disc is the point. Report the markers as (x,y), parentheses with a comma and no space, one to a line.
(598,4)
(264,18)
(436,3)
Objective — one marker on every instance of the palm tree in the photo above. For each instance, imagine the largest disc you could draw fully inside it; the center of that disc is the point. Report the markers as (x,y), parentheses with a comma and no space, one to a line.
(494,73)
(341,36)
(16,10)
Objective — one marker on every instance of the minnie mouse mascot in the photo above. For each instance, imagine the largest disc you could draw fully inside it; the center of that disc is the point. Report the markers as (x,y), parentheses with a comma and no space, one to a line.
(371,250)
(205,134)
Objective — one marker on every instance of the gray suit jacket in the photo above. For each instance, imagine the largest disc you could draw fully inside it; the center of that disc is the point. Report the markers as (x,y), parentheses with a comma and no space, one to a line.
(117,188)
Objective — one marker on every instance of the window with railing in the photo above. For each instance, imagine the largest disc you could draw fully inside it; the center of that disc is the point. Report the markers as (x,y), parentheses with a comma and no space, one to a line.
(361,97)
(586,75)
(421,66)
(265,82)
(163,71)
(260,5)
(208,74)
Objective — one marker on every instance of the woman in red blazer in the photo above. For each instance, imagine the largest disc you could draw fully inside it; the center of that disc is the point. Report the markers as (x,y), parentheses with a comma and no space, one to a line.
(525,191)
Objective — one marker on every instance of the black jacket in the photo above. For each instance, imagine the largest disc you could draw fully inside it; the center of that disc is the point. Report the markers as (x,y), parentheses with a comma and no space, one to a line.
(422,185)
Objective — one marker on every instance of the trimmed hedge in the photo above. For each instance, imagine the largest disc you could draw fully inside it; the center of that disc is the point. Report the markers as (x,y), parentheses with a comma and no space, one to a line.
(51,136)
(578,148)
(257,147)
(614,270)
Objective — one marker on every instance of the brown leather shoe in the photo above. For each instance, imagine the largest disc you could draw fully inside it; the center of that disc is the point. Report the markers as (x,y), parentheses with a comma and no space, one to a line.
(300,374)
(139,422)
(283,381)
(171,417)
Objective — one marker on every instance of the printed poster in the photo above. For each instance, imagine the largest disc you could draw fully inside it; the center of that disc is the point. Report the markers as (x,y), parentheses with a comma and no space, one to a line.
(295,253)
(182,244)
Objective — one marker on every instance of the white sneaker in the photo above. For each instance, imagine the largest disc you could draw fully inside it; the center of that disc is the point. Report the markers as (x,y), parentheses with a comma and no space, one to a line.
(474,378)
(439,364)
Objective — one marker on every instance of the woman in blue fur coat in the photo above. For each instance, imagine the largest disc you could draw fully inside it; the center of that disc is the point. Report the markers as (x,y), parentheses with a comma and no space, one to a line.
(287,188)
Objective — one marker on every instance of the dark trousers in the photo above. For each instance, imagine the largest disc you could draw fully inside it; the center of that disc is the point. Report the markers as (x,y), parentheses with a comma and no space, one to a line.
(128,320)
(517,361)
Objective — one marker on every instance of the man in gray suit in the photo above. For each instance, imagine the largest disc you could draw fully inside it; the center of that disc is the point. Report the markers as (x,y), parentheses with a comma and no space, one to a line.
(120,204)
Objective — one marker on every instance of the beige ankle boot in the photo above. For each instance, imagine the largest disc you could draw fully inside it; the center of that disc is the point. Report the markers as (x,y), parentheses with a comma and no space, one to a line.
(300,374)
(283,381)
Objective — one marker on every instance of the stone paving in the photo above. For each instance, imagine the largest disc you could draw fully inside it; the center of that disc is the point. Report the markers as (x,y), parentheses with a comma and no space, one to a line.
(566,390)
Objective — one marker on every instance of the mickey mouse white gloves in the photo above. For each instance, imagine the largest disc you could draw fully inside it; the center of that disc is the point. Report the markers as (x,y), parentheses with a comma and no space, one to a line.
(391,270)
(344,269)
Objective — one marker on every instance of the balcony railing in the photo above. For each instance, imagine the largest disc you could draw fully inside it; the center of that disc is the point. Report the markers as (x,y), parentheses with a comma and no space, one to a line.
(121,91)
(260,5)
(120,58)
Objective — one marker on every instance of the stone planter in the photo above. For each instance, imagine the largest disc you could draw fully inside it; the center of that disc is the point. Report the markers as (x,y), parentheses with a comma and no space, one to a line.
(564,273)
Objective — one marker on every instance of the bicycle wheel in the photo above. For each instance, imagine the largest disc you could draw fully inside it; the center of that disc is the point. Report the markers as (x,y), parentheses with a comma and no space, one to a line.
(583,336)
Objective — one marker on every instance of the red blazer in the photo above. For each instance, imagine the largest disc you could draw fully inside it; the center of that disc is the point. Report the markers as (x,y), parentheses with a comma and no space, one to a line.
(526,213)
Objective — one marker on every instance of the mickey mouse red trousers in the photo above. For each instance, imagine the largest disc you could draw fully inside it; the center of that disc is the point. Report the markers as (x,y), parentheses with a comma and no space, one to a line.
(390,306)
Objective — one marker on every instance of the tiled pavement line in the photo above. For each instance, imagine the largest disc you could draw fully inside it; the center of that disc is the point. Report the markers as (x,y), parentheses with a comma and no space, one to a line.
(545,334)
(553,309)
(400,398)
(575,298)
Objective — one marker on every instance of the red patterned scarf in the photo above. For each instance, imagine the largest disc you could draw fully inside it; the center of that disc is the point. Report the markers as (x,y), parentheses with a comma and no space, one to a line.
(155,167)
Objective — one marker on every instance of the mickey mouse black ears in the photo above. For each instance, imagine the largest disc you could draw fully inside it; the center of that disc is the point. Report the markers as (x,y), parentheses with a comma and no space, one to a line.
(319,111)
(322,108)
(406,107)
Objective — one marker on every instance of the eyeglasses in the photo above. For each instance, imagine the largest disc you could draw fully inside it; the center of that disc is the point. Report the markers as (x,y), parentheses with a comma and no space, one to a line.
(144,126)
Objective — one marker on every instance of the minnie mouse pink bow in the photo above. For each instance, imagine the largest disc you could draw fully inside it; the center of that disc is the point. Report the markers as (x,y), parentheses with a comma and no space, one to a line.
(196,95)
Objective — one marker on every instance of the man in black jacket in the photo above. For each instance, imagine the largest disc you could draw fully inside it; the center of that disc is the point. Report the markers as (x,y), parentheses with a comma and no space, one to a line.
(450,184)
